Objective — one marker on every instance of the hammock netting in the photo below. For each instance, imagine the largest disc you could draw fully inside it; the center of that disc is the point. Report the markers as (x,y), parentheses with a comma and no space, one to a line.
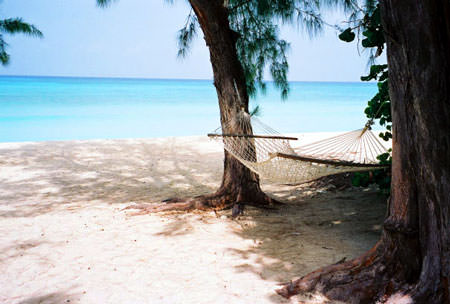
(270,155)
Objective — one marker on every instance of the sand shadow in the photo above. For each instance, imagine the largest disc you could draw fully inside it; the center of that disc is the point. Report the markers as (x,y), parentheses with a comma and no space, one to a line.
(315,227)
(310,231)
(177,227)
(37,178)
(55,297)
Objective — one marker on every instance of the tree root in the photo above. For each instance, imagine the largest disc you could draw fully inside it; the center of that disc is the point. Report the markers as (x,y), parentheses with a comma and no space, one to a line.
(366,279)
(213,202)
(391,272)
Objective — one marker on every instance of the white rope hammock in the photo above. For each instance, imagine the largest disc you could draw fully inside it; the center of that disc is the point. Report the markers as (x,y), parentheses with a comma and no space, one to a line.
(269,154)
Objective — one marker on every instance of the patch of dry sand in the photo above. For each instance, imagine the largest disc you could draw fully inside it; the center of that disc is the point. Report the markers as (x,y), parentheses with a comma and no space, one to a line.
(64,236)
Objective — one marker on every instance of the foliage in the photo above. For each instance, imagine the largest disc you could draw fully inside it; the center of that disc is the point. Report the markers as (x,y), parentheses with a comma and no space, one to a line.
(256,24)
(347,35)
(379,107)
(380,177)
(187,34)
(14,26)
(104,3)
(258,44)
(370,28)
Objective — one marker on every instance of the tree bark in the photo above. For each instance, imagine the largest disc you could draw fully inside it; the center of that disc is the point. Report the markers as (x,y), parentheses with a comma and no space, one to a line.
(418,46)
(411,262)
(239,185)
(238,182)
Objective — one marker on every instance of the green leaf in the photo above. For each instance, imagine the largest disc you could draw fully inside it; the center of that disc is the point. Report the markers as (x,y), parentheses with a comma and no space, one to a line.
(375,19)
(347,35)
(383,76)
(187,34)
(375,38)
(16,25)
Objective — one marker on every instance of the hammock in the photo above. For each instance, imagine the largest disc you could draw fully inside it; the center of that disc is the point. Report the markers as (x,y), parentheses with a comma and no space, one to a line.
(270,155)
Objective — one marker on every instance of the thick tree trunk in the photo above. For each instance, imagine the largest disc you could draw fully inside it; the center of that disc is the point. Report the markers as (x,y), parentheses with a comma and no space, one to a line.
(411,262)
(418,45)
(239,186)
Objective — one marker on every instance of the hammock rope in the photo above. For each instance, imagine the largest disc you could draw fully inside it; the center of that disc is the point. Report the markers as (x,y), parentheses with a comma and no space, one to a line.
(270,155)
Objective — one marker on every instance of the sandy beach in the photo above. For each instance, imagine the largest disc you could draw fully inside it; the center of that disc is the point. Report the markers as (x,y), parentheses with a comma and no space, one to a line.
(66,238)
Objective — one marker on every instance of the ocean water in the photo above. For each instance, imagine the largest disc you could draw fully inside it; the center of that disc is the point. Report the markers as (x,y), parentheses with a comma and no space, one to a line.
(57,108)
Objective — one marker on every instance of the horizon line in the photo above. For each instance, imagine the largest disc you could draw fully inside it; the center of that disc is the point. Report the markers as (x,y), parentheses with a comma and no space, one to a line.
(156,78)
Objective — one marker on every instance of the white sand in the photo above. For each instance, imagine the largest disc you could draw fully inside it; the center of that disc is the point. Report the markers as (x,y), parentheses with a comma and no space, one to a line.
(64,236)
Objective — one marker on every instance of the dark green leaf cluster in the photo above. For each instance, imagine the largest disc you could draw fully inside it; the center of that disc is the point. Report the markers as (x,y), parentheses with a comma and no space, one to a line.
(379,107)
(377,72)
(370,24)
(380,177)
(373,31)
(14,26)
(348,35)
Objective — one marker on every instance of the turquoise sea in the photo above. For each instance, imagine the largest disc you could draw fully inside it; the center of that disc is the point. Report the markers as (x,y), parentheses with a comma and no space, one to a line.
(58,108)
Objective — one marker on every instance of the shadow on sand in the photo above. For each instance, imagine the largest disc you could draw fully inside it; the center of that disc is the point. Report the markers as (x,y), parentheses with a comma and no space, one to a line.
(54,297)
(314,227)
(36,178)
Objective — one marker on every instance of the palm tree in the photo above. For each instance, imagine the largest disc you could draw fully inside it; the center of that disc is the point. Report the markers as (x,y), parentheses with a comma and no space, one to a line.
(14,26)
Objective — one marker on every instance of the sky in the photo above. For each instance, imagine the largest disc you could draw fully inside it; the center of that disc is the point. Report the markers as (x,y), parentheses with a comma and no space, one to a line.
(137,39)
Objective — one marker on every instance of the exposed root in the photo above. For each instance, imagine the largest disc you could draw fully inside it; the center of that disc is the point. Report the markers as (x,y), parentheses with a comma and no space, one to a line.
(213,202)
(362,280)
(391,272)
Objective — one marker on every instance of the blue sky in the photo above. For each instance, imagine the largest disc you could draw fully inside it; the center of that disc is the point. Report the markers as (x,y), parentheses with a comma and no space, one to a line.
(137,38)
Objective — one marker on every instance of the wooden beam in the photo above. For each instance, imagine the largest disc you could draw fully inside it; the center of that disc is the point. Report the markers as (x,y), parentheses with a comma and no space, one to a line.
(328,162)
(252,136)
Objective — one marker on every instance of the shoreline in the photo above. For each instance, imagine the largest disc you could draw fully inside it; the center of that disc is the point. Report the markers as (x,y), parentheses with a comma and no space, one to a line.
(308,135)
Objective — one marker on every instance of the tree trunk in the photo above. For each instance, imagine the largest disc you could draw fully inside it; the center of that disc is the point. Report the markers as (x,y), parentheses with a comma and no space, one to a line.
(411,262)
(239,186)
(418,46)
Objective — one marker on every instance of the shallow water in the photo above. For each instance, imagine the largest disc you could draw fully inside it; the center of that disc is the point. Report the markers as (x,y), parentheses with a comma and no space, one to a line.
(56,108)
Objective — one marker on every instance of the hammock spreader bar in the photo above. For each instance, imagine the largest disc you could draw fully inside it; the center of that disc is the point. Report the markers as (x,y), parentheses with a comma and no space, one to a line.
(338,163)
(252,136)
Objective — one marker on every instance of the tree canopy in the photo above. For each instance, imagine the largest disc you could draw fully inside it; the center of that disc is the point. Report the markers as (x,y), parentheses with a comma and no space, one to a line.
(259,46)
(258,42)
